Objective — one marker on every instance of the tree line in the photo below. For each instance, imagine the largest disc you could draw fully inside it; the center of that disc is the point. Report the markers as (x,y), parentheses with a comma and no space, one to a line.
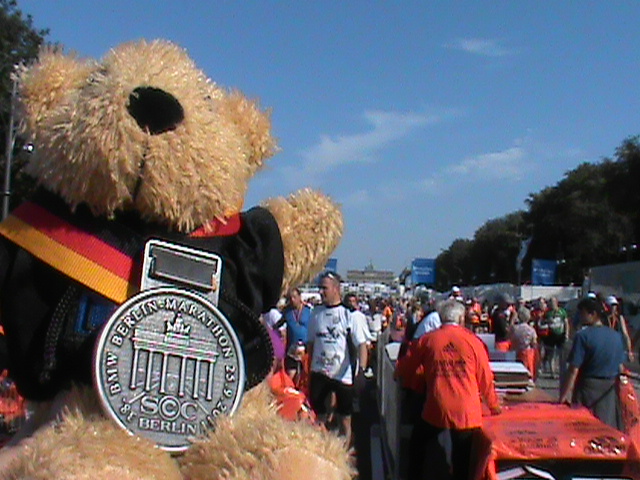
(590,217)
(20,43)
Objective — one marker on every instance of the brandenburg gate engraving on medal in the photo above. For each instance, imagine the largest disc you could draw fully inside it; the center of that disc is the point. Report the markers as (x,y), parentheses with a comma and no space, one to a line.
(176,341)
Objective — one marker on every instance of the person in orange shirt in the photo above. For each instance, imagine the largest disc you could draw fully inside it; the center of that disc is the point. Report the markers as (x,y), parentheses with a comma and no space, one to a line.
(411,381)
(387,313)
(457,377)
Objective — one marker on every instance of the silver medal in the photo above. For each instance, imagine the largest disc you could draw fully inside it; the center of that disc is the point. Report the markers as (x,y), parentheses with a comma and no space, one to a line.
(167,363)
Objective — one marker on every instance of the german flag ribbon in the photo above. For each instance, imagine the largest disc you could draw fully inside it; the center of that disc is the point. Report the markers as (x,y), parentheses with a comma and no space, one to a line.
(103,255)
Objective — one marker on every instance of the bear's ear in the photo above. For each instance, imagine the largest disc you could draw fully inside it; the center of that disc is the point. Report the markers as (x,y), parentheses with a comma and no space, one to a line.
(254,126)
(47,82)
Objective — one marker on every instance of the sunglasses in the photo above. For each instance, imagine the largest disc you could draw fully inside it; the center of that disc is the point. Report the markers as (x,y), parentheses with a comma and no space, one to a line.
(331,275)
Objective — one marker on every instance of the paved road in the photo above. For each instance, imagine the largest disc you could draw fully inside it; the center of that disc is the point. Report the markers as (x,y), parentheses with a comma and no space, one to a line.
(362,421)
(549,385)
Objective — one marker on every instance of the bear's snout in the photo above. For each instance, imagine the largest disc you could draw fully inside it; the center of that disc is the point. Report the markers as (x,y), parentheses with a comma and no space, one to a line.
(155,110)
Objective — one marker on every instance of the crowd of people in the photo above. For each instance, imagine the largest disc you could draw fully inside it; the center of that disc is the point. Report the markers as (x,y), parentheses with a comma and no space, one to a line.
(326,349)
(443,366)
(539,331)
(444,372)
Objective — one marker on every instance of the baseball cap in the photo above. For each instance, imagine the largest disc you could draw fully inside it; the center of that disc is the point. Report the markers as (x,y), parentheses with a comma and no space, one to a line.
(591,295)
(612,300)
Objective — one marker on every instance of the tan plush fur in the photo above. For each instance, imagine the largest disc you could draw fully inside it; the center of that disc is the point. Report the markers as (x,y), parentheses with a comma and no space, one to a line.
(306,215)
(258,444)
(90,149)
(83,445)
(254,444)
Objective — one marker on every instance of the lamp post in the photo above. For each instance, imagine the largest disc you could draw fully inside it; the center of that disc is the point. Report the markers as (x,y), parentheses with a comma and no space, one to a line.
(559,263)
(11,140)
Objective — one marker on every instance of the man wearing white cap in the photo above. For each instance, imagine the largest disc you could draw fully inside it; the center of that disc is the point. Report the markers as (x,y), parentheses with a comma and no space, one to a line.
(619,324)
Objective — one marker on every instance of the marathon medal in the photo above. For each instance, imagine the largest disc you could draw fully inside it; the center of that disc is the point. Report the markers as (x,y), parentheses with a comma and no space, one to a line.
(168,362)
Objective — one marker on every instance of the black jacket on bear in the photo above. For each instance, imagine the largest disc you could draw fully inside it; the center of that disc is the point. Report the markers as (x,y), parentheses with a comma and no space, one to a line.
(48,349)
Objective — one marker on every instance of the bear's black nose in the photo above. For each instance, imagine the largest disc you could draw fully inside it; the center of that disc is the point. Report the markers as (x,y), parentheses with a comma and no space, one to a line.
(155,110)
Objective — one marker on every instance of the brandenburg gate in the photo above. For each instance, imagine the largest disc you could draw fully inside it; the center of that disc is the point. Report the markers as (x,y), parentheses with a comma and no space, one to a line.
(175,341)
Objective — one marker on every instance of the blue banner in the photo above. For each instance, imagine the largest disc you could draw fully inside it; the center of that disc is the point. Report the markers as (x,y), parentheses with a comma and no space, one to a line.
(543,272)
(423,271)
(331,265)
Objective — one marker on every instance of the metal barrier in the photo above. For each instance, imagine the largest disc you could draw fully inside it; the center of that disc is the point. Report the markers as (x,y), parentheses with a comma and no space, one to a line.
(389,397)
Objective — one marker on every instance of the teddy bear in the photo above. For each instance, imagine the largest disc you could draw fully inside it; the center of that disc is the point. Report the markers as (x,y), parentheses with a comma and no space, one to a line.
(142,145)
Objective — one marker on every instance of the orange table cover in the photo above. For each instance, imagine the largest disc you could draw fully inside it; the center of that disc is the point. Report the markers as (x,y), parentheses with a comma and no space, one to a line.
(539,431)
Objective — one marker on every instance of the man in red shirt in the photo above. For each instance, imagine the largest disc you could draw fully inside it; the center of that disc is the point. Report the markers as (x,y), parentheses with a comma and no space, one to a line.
(457,377)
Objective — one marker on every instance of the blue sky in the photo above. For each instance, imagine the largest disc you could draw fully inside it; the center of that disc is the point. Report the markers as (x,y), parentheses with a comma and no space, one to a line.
(423,119)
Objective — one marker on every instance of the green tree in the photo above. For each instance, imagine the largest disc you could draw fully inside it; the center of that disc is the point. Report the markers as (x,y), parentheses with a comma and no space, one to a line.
(452,265)
(622,187)
(576,222)
(19,44)
(489,258)
(590,217)
(496,245)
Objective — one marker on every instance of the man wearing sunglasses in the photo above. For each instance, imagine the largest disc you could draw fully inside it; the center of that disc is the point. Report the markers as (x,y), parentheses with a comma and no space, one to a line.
(334,343)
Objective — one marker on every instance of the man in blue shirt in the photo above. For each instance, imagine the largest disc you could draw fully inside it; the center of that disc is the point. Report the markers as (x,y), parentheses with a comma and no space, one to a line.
(296,316)
(595,361)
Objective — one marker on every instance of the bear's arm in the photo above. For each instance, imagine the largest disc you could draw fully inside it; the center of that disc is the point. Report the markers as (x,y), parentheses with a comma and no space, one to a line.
(311,227)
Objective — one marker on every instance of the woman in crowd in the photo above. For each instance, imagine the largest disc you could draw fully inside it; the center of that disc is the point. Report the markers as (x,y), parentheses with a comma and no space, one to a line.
(556,321)
(524,341)
(617,321)
(595,362)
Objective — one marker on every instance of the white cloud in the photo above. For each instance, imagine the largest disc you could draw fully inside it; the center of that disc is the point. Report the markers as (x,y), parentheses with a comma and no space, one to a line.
(505,165)
(481,46)
(432,184)
(357,198)
(386,128)
(510,164)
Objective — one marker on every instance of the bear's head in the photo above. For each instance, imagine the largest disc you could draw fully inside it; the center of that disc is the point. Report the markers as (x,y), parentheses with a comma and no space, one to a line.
(128,133)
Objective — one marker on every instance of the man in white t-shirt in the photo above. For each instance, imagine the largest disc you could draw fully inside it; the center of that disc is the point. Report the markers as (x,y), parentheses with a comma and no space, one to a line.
(375,322)
(428,324)
(359,318)
(330,327)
